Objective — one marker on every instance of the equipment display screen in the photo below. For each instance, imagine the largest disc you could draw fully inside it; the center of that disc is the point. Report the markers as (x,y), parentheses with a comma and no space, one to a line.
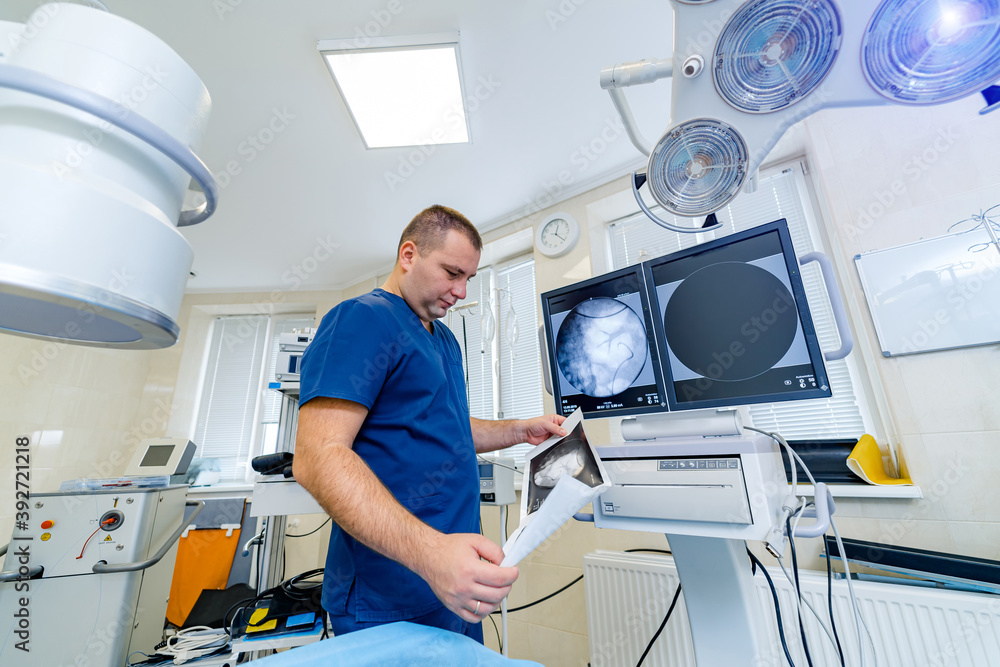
(600,337)
(724,323)
(156,456)
(733,318)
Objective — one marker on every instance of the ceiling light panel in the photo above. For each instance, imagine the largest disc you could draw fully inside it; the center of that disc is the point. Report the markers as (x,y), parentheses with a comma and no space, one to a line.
(401,91)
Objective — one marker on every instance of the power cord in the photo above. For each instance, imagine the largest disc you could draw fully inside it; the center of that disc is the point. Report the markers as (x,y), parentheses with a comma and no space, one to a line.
(496,630)
(777,608)
(494,462)
(328,519)
(798,590)
(194,642)
(829,602)
(859,620)
(295,591)
(800,600)
(649,646)
(578,579)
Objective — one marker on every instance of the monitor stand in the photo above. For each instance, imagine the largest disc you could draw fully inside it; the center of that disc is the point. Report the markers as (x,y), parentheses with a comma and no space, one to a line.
(720,597)
(709,486)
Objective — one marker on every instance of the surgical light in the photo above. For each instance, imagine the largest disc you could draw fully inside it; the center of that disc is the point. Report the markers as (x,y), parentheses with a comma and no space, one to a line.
(98,120)
(928,51)
(772,54)
(697,167)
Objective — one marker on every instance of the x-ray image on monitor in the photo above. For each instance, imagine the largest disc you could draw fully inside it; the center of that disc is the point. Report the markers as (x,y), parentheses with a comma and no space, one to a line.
(601,349)
(731,313)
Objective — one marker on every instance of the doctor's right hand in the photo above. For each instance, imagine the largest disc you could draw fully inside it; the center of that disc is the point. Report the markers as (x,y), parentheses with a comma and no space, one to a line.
(463,571)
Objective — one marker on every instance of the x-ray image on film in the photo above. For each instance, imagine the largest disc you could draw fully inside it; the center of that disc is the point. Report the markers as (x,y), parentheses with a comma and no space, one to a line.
(572,457)
(732,314)
(601,349)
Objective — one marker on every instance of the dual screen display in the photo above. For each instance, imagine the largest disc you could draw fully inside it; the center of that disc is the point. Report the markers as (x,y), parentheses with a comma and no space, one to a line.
(721,324)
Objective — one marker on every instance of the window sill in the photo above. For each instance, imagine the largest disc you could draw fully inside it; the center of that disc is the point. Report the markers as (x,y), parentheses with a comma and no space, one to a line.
(865,491)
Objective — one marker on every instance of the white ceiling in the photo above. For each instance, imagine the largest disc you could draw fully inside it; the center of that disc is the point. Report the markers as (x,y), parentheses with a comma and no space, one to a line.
(317,181)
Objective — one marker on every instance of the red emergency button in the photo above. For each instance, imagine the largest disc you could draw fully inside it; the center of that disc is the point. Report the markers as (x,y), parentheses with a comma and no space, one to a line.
(47,524)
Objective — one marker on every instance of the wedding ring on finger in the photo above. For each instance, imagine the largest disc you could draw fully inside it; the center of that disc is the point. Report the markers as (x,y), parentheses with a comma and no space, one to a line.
(476,612)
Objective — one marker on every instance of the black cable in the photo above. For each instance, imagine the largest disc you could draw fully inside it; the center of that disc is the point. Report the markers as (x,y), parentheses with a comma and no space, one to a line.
(295,591)
(777,610)
(496,630)
(829,602)
(552,595)
(260,562)
(798,591)
(666,618)
(547,597)
(494,462)
(328,519)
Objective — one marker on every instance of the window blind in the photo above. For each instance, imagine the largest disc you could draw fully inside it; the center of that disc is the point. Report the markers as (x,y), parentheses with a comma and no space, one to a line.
(505,380)
(224,428)
(520,360)
(477,353)
(636,239)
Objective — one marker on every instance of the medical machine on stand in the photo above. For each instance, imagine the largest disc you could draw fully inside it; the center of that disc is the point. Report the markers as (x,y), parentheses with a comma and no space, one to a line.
(291,347)
(88,568)
(95,257)
(275,496)
(677,340)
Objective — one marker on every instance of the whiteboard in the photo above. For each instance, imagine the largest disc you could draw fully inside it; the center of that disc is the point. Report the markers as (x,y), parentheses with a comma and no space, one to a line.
(934,294)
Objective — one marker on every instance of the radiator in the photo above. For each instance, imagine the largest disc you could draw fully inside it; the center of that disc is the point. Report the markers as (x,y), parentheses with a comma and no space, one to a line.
(628,595)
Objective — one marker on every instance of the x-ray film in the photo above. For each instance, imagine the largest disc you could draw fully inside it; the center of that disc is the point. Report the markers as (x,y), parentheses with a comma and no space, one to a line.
(562,475)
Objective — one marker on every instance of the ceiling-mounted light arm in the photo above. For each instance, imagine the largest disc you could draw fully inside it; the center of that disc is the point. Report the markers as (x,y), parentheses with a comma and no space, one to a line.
(36,83)
(638,180)
(613,79)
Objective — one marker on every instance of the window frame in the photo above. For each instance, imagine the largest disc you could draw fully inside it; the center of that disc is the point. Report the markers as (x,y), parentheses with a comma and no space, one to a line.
(257,427)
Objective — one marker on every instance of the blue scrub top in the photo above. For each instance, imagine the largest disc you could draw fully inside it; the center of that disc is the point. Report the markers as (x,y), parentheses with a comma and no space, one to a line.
(417,439)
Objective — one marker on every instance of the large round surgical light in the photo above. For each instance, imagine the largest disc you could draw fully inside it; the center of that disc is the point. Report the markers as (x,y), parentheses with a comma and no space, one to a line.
(772,53)
(932,51)
(697,167)
(98,118)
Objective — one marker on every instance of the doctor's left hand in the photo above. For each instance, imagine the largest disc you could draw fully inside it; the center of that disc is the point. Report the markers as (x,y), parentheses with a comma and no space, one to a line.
(463,571)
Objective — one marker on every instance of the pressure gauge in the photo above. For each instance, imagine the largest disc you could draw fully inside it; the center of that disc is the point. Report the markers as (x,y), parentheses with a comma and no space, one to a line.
(557,235)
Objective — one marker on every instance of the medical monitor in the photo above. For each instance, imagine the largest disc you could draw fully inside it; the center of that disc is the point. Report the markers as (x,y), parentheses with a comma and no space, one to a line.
(161,456)
(602,354)
(732,318)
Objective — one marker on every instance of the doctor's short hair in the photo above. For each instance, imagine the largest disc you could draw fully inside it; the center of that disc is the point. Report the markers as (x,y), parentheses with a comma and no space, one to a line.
(429,228)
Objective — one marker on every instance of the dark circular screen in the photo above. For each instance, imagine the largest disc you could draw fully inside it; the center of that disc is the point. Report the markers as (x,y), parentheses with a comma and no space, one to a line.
(733,318)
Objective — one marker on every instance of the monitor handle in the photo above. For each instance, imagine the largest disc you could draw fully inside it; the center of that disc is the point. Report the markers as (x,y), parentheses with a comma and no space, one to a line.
(839,313)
